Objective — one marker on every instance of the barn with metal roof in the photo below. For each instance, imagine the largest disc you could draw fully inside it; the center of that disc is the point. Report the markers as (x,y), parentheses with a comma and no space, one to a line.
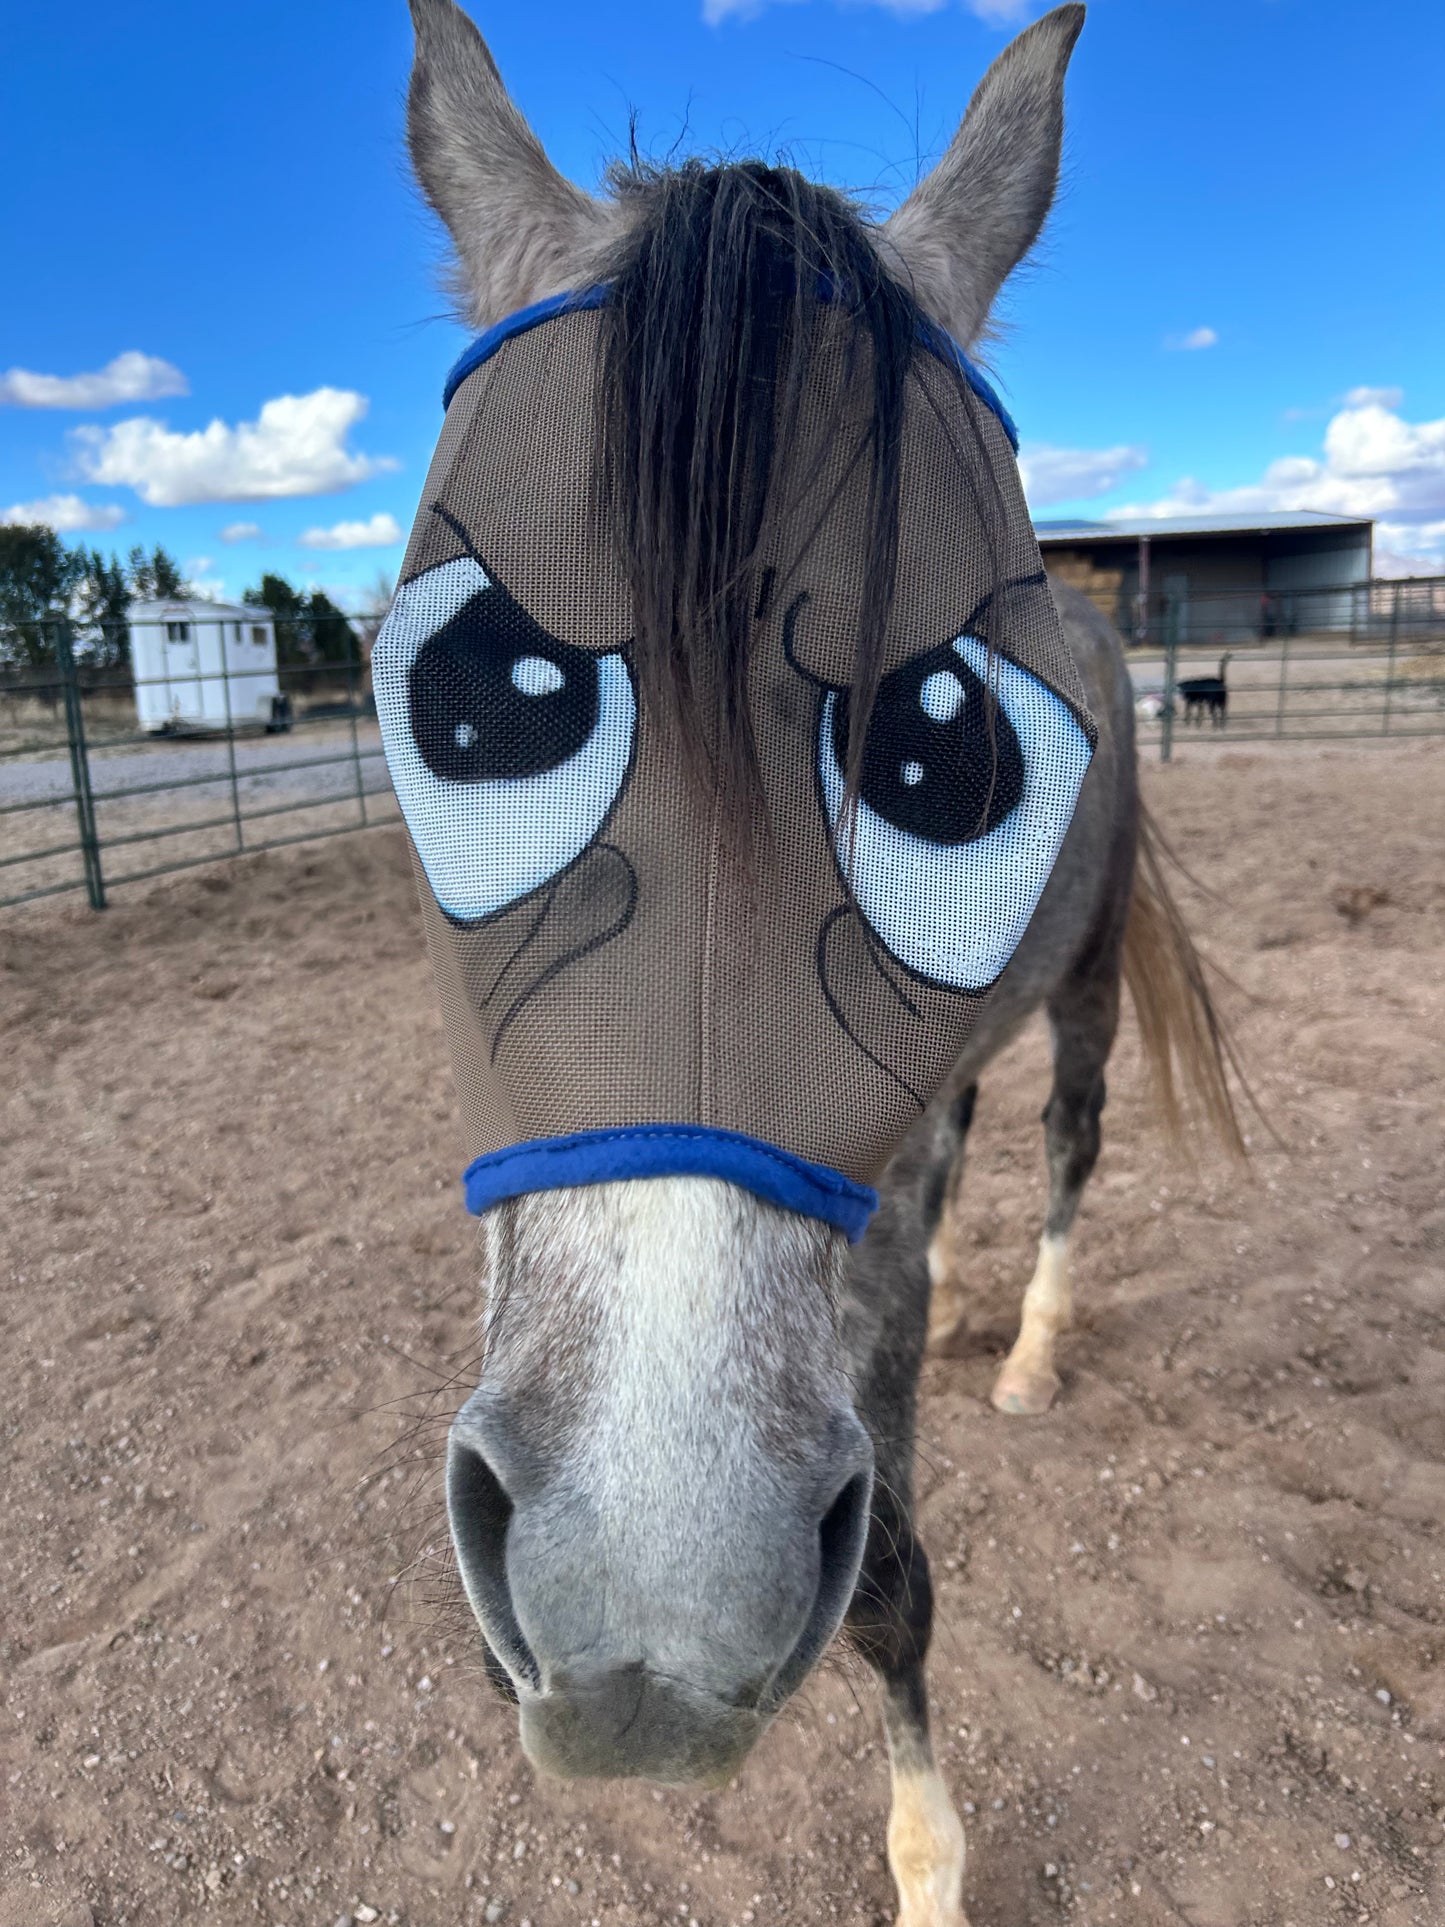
(1278,573)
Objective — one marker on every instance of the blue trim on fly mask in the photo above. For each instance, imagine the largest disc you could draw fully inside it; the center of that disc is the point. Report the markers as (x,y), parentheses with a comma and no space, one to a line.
(936,340)
(671,1150)
(486,345)
(942,346)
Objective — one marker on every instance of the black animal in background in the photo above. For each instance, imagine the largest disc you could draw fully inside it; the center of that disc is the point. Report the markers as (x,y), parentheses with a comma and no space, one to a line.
(1206,696)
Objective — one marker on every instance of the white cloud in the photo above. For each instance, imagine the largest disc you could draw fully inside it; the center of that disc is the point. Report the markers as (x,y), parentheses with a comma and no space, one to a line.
(998,13)
(296,446)
(1373,463)
(66,514)
(130,377)
(1196,338)
(241,532)
(1381,397)
(1410,548)
(381,532)
(1069,474)
(201,579)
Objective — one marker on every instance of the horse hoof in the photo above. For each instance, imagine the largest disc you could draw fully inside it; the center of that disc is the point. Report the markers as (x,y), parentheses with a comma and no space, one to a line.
(1024,1394)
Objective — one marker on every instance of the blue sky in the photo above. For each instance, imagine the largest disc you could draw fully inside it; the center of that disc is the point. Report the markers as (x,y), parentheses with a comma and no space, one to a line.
(219,195)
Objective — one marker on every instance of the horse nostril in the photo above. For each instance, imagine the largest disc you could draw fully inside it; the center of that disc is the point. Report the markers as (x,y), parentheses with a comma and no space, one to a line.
(840,1538)
(841,1534)
(479,1513)
(840,1544)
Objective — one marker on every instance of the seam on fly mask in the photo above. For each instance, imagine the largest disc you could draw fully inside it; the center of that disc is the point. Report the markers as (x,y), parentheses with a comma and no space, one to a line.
(704,1079)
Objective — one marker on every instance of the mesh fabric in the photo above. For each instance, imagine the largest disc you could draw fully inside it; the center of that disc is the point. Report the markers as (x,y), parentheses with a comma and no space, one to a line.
(607,955)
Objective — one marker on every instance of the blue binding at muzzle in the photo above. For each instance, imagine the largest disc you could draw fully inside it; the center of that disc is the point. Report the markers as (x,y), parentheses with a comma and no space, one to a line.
(672,1150)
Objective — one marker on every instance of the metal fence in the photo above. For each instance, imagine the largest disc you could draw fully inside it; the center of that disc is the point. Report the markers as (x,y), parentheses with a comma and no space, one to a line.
(1363,659)
(90,800)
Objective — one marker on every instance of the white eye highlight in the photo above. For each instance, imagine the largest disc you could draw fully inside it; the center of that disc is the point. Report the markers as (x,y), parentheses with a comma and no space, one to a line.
(506,746)
(536,676)
(948,885)
(941,696)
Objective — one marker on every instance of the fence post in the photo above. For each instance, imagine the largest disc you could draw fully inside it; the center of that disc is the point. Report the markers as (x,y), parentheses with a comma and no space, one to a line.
(231,742)
(1283,675)
(1390,670)
(1171,664)
(79,766)
(353,685)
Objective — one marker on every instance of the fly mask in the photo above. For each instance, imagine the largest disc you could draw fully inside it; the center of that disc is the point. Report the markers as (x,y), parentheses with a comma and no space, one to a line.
(629,988)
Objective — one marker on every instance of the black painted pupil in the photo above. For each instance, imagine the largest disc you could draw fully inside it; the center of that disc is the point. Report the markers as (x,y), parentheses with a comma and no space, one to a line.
(941,760)
(493,695)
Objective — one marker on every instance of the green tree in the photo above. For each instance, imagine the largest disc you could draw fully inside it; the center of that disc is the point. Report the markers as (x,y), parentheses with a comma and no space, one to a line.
(102,608)
(309,629)
(155,577)
(332,636)
(289,608)
(38,576)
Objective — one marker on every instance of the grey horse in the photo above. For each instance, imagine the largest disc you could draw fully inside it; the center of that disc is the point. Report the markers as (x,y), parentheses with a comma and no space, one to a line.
(659,1494)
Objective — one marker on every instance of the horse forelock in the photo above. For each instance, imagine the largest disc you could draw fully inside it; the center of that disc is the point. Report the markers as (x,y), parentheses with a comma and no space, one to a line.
(730,281)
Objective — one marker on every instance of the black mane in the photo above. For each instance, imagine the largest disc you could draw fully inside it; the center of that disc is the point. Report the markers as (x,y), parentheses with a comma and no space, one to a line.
(708,347)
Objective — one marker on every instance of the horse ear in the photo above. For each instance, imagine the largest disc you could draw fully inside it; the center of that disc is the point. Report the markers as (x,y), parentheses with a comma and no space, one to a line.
(520,230)
(969,223)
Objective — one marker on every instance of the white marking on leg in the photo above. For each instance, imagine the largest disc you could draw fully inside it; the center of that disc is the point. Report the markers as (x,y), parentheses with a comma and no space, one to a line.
(945,1300)
(946,1305)
(925,1850)
(1028,1382)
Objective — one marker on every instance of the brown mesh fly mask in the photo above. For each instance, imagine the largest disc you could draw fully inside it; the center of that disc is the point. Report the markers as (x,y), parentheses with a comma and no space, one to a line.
(629,990)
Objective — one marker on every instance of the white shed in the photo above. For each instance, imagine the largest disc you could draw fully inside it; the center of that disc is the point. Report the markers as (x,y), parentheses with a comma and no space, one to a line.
(205,665)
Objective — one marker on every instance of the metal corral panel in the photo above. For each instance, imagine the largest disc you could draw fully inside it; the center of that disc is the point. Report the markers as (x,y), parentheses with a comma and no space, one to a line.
(203,665)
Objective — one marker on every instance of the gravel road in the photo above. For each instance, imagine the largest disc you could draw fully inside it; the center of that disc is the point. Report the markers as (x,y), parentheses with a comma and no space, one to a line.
(267,766)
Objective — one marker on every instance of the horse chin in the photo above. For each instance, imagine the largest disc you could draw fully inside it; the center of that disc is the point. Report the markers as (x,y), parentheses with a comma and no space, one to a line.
(635,1724)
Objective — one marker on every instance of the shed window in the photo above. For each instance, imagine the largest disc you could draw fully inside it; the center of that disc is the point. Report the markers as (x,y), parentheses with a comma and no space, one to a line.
(258,636)
(178,632)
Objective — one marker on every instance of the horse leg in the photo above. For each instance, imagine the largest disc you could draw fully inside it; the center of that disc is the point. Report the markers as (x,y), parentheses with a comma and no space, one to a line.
(1083,1017)
(942,1222)
(890,1620)
(890,1617)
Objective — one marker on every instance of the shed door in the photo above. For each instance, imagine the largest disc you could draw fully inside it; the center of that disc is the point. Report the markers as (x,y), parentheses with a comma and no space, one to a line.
(182,669)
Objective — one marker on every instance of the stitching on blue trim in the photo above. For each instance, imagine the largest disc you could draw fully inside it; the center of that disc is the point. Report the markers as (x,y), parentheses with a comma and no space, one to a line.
(937,340)
(487,343)
(782,1177)
(815,1174)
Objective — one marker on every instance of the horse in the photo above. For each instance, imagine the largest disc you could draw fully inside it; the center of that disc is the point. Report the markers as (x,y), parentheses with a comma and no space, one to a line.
(1207,696)
(688,1459)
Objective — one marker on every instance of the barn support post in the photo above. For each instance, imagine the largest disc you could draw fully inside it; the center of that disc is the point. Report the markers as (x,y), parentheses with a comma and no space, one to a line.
(79,765)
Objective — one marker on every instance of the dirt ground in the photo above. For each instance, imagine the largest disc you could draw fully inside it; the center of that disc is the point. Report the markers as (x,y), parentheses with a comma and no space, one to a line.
(1190,1665)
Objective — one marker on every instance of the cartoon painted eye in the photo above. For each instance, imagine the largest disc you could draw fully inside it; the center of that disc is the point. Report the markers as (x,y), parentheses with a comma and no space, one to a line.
(971,768)
(507,747)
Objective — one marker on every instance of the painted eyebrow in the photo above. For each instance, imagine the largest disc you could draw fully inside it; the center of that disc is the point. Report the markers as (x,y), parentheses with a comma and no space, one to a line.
(969,623)
(435,508)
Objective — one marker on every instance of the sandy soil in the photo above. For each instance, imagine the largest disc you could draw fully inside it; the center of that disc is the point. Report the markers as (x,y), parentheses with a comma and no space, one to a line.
(1191,1656)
